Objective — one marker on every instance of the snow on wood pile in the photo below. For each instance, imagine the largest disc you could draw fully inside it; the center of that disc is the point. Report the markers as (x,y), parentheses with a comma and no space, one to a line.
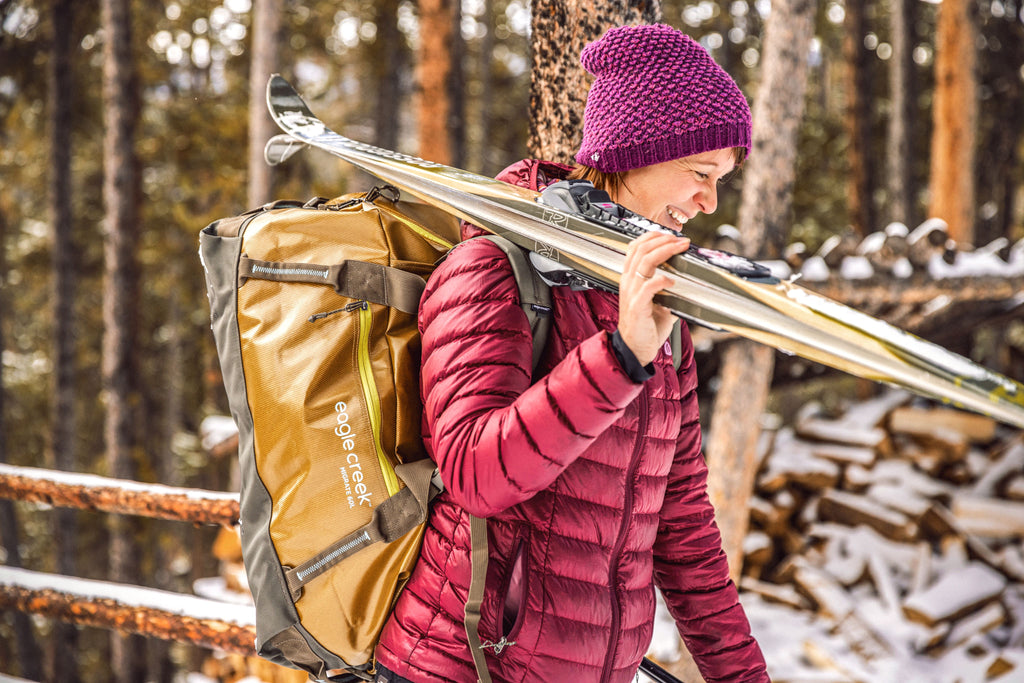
(896,252)
(885,545)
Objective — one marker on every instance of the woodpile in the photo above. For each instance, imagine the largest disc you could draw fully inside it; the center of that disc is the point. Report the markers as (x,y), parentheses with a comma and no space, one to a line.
(898,252)
(900,526)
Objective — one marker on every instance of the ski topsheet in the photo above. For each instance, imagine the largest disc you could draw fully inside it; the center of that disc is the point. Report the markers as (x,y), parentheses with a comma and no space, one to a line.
(710,288)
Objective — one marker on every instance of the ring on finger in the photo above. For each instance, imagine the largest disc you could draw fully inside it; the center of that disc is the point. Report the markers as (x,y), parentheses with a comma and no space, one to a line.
(642,276)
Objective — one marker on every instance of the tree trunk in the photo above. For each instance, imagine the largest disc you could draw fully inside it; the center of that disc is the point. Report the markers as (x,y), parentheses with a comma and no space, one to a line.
(483,164)
(901,190)
(121,188)
(28,655)
(433,71)
(764,215)
(998,169)
(457,90)
(558,83)
(266,29)
(388,61)
(855,119)
(61,656)
(954,115)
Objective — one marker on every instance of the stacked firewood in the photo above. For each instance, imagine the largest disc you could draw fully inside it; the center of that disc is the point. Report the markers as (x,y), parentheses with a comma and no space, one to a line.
(896,252)
(899,525)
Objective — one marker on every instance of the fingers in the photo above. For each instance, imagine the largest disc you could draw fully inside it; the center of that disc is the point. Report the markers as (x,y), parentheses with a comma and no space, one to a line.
(643,324)
(646,253)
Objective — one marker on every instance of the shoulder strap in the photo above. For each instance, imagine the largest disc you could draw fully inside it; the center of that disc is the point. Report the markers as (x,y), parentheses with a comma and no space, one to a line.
(675,339)
(534,293)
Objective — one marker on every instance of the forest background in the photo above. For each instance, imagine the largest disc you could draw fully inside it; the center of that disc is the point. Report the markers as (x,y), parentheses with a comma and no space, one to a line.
(112,160)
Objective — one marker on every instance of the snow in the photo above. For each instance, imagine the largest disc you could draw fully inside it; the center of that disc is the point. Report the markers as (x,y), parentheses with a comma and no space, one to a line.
(984,261)
(815,270)
(872,244)
(897,229)
(902,268)
(137,596)
(216,588)
(927,228)
(216,429)
(778,269)
(856,268)
(957,591)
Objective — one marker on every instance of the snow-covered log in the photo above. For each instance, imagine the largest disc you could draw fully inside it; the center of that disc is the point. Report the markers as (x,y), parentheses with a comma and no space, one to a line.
(91,492)
(131,609)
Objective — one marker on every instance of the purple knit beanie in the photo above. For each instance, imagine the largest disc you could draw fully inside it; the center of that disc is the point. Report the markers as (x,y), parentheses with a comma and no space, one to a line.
(657,95)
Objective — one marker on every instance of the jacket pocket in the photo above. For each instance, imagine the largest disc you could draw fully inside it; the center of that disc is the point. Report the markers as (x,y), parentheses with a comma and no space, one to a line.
(512,602)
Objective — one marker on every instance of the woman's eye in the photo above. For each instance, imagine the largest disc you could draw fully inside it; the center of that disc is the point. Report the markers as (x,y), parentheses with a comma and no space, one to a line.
(701,176)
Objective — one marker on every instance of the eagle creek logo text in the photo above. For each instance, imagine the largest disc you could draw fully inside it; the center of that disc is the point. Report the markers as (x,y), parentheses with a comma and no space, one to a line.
(352,471)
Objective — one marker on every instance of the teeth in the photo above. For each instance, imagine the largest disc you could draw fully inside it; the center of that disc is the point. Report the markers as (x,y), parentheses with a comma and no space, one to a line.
(676,216)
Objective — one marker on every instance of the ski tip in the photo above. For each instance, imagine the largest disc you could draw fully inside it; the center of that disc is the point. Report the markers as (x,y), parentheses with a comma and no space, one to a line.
(280,148)
(282,96)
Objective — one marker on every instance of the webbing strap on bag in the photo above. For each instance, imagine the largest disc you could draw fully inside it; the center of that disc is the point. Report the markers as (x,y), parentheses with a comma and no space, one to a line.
(392,519)
(478,558)
(354,279)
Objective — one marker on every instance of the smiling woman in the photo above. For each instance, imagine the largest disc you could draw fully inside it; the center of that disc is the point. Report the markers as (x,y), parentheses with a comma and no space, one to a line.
(587,470)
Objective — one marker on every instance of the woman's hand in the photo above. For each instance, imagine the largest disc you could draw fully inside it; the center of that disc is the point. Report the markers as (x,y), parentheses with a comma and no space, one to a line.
(644,325)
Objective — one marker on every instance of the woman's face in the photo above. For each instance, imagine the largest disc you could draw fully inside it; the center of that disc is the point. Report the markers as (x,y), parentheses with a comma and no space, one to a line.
(673,192)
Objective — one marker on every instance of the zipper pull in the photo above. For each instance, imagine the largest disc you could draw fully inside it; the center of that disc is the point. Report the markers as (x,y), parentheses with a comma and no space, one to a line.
(347,308)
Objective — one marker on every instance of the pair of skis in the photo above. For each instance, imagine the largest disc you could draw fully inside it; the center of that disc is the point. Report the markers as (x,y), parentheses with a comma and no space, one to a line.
(710,288)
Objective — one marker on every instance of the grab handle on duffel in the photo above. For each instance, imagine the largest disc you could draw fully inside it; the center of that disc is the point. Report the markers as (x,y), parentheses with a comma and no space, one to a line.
(354,279)
(392,519)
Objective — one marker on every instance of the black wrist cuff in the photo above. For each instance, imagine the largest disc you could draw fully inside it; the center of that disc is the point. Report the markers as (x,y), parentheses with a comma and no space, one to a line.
(628,360)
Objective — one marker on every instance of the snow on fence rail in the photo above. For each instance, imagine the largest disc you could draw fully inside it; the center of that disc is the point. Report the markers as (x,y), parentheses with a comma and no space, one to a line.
(91,492)
(132,609)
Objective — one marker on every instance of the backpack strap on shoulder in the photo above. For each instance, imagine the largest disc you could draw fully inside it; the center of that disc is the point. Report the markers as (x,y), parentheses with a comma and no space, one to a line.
(675,339)
(534,293)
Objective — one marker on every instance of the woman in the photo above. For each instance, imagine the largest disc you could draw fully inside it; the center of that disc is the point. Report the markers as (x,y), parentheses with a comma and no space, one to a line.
(591,477)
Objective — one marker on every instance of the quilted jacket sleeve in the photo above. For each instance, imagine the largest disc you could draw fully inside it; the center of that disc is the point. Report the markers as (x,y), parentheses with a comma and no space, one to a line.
(690,566)
(496,439)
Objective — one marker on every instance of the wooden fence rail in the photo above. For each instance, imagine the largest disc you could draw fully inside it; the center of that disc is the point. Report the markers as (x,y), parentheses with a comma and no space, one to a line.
(91,492)
(130,609)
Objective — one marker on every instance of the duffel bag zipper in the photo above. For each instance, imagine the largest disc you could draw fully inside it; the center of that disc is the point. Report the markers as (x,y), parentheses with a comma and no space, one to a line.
(365,322)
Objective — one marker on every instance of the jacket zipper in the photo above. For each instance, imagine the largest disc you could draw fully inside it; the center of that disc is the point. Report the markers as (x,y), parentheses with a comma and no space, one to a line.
(620,541)
(370,391)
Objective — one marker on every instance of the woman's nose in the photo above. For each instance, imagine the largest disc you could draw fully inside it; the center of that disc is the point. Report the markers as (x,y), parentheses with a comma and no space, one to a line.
(707,200)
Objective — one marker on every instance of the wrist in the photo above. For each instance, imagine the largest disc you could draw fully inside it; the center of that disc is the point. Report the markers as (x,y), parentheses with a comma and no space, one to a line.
(631,365)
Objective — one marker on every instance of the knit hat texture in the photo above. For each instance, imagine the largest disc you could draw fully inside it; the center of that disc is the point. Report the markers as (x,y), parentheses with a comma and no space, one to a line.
(657,95)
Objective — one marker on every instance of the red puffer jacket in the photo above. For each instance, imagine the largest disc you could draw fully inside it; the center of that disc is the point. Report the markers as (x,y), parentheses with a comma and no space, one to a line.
(594,488)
